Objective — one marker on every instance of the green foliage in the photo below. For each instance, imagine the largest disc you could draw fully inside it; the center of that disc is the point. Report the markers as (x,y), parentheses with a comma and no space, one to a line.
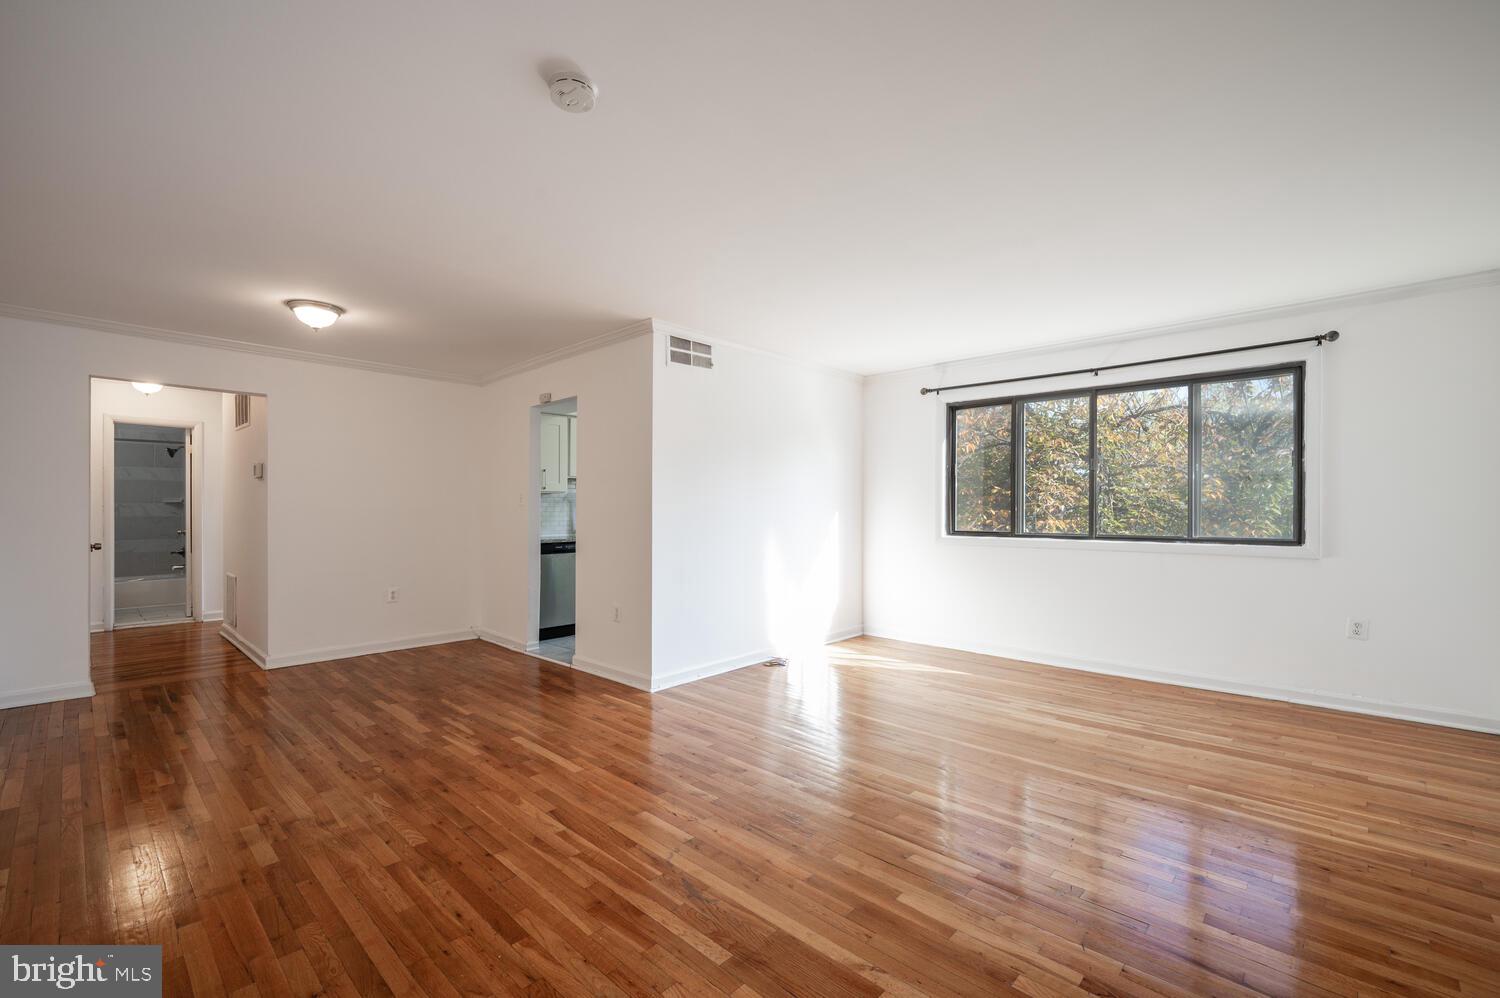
(981,469)
(1057,466)
(1247,458)
(1247,462)
(1143,463)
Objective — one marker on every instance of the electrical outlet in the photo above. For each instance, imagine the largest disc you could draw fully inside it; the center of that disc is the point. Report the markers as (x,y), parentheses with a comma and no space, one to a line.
(1357,630)
(392,594)
(617,615)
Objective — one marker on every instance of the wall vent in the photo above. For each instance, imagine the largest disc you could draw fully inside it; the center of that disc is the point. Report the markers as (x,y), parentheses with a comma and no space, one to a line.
(231,599)
(241,411)
(690,353)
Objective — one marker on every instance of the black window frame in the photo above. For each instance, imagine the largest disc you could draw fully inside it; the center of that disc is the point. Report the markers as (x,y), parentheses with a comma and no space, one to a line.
(1192,382)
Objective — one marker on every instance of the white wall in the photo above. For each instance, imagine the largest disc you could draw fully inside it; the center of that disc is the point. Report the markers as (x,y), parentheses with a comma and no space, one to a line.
(246,537)
(719,511)
(756,511)
(613,388)
(370,483)
(117,398)
(1409,538)
(376,480)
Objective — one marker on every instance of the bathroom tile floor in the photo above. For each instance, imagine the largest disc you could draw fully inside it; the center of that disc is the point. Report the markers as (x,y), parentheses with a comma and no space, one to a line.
(557,649)
(143,615)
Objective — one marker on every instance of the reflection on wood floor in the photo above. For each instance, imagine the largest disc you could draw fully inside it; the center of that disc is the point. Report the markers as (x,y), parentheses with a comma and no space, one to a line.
(169,653)
(902,820)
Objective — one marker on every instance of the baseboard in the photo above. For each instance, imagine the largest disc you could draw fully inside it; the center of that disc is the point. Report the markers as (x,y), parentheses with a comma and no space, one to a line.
(372,648)
(696,672)
(96,626)
(209,618)
(234,637)
(45,694)
(496,638)
(1309,698)
(611,673)
(590,666)
(605,671)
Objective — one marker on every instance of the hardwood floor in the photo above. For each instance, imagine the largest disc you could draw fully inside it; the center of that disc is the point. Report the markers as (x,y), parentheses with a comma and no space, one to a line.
(903,820)
(166,653)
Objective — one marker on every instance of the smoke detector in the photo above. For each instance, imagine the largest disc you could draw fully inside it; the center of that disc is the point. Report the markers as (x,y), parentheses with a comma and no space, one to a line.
(573,92)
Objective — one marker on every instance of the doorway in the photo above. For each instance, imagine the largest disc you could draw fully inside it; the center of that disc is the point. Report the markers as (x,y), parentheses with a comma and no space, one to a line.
(177,531)
(556,581)
(150,509)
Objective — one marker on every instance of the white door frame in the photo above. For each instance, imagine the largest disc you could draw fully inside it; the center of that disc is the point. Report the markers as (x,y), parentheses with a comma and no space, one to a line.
(533,527)
(194,512)
(534,524)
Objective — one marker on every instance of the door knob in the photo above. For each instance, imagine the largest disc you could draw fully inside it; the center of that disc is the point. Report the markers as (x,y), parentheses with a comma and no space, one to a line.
(96,546)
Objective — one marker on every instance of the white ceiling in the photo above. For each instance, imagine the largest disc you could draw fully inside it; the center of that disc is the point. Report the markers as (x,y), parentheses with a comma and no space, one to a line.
(869,185)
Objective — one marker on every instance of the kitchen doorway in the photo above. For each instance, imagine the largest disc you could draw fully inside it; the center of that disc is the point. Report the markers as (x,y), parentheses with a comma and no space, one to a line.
(558,531)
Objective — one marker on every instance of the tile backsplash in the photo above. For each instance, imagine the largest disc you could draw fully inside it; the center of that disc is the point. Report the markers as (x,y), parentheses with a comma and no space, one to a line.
(557,514)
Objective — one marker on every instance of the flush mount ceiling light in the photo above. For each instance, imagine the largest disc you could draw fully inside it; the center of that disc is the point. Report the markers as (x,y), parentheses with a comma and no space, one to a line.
(573,92)
(317,314)
(146,387)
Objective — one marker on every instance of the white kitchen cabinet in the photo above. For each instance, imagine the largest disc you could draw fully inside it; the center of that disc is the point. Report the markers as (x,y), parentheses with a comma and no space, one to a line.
(572,446)
(554,452)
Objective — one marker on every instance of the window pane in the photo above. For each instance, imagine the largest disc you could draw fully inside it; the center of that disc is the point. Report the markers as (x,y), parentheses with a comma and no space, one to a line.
(981,468)
(1143,463)
(1248,472)
(1056,437)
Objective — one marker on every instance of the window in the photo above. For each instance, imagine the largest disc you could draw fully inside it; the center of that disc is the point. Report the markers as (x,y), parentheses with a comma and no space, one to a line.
(1144,456)
(982,469)
(1056,478)
(1213,458)
(1248,465)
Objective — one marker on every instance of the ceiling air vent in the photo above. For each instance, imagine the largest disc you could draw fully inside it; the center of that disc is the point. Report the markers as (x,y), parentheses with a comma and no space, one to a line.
(689,352)
(241,411)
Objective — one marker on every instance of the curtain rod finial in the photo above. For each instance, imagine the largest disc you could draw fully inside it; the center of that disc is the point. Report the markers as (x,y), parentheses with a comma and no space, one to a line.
(1331,335)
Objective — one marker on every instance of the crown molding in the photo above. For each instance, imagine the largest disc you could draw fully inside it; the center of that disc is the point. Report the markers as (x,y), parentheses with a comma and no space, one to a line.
(1373,296)
(221,343)
(673,329)
(638,328)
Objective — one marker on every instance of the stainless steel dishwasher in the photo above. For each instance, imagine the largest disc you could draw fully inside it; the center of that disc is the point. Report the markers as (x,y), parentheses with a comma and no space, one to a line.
(557,618)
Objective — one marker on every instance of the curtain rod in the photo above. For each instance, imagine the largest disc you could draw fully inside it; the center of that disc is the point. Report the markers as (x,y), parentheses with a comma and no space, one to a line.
(1320,339)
